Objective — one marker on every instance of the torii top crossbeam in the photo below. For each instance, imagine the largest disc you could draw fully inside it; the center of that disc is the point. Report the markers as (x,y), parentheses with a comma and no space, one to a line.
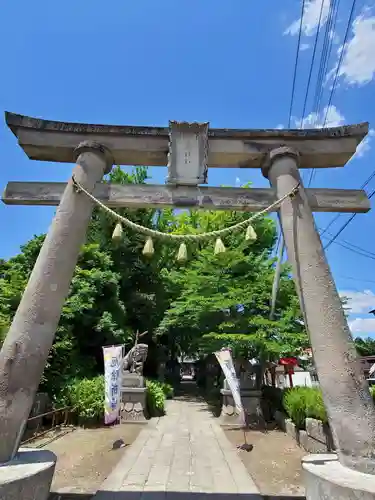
(135,145)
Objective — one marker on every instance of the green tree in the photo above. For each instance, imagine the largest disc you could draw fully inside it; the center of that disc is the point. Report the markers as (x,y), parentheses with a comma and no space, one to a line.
(141,284)
(224,299)
(14,274)
(93,314)
(114,292)
(365,347)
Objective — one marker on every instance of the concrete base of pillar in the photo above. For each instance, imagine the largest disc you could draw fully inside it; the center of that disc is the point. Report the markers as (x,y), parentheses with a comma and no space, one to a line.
(133,405)
(28,476)
(325,477)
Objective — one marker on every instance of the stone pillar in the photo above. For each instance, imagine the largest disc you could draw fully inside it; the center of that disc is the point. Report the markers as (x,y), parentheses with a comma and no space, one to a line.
(30,337)
(346,395)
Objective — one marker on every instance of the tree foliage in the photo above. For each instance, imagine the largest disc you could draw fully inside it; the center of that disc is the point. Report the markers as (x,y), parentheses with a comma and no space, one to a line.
(224,299)
(113,292)
(365,347)
(210,302)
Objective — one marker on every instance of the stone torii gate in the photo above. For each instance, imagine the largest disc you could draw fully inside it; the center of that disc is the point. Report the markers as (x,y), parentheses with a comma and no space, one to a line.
(188,150)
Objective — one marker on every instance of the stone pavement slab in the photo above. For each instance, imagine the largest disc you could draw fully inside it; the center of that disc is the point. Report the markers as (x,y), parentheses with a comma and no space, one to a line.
(186,453)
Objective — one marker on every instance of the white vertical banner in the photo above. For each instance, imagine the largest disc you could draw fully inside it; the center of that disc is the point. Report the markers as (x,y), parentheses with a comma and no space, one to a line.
(112,380)
(224,357)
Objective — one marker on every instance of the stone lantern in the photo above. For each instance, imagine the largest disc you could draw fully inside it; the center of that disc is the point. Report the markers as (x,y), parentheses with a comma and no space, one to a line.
(251,375)
(188,152)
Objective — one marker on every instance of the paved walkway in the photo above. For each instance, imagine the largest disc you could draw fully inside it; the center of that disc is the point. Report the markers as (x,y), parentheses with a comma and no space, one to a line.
(185,451)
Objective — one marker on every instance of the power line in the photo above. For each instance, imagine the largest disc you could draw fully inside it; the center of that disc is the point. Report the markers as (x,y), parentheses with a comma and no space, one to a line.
(367,181)
(280,239)
(345,225)
(340,58)
(348,243)
(296,63)
(370,177)
(312,63)
(322,70)
(329,35)
(332,31)
(357,251)
(355,279)
(355,248)
(330,224)
(311,68)
(323,60)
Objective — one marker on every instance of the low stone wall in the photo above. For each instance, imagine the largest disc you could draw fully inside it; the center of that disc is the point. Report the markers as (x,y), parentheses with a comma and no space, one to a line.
(280,419)
(317,437)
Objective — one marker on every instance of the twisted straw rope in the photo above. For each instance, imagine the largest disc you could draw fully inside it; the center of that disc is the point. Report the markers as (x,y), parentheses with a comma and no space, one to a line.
(183,237)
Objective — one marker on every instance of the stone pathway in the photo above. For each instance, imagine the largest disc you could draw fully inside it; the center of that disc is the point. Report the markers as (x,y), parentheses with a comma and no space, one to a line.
(185,451)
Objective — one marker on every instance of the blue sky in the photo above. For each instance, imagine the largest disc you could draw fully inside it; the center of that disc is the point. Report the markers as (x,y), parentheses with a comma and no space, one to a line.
(229,63)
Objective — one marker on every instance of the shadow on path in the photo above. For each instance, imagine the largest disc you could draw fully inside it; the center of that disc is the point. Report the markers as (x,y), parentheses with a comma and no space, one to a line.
(189,391)
(170,495)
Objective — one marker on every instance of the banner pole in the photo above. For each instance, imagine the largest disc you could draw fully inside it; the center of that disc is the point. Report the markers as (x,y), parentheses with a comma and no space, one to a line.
(224,357)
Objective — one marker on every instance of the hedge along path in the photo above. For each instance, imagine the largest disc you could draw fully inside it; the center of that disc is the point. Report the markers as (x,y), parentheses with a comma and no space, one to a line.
(148,249)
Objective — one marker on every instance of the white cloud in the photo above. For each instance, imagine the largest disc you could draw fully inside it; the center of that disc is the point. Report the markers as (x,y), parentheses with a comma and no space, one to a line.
(334,37)
(362,325)
(238,182)
(311,16)
(280,126)
(365,146)
(317,120)
(304,46)
(359,302)
(358,62)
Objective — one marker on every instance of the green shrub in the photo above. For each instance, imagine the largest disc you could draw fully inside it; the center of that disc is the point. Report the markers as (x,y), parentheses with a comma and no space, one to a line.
(302,402)
(315,406)
(86,396)
(167,389)
(294,402)
(155,398)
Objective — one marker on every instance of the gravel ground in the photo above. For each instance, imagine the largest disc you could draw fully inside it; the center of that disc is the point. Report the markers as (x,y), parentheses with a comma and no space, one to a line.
(85,457)
(274,463)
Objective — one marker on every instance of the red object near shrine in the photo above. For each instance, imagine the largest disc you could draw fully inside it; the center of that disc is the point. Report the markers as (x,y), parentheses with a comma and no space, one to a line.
(289,364)
(288,361)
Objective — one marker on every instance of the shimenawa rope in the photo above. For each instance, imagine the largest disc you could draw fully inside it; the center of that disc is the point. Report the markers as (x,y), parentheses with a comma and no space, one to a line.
(250,233)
